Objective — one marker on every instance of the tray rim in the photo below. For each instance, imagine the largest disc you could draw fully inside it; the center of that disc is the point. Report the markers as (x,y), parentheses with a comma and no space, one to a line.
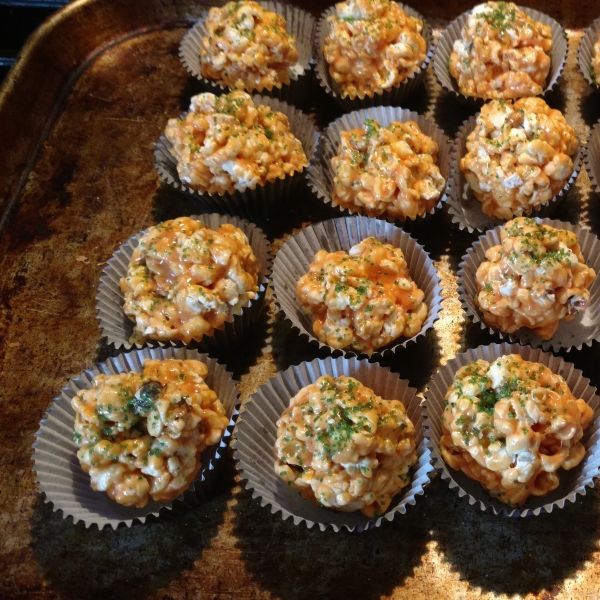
(66,79)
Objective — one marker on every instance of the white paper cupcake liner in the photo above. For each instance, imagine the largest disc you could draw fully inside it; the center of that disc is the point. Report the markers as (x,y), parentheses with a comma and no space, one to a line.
(263,201)
(300,24)
(592,157)
(584,329)
(256,433)
(586,53)
(453,32)
(572,482)
(294,258)
(393,97)
(57,467)
(118,328)
(467,211)
(321,174)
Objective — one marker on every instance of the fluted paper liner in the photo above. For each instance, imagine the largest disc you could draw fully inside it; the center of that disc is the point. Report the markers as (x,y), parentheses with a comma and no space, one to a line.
(256,433)
(300,24)
(321,174)
(572,482)
(393,97)
(453,32)
(117,327)
(57,467)
(294,258)
(592,157)
(586,53)
(264,200)
(584,329)
(466,210)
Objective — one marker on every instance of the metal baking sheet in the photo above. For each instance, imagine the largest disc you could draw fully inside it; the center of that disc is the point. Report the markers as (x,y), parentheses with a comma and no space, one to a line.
(79,115)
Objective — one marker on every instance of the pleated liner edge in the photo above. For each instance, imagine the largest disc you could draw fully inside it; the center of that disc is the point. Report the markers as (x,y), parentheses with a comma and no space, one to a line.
(256,432)
(57,467)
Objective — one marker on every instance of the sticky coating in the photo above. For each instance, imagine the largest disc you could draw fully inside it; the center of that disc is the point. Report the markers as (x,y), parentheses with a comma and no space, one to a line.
(373,46)
(502,53)
(362,299)
(226,144)
(247,47)
(535,278)
(345,447)
(387,171)
(519,156)
(185,280)
(135,454)
(511,425)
